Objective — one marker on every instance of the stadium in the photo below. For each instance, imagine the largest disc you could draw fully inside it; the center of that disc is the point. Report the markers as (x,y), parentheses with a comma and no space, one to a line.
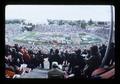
(56,39)
(82,49)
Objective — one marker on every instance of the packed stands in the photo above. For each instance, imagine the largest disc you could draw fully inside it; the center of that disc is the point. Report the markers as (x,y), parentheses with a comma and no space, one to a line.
(81,63)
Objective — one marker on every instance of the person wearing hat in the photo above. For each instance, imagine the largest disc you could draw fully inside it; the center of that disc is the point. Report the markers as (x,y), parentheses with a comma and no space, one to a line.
(56,72)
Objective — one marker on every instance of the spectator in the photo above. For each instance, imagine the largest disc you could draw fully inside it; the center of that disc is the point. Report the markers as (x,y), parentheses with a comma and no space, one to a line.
(10,67)
(33,61)
(16,47)
(62,57)
(7,49)
(40,59)
(103,50)
(66,57)
(16,57)
(71,61)
(94,61)
(50,58)
(79,64)
(26,56)
(57,57)
(88,51)
(55,72)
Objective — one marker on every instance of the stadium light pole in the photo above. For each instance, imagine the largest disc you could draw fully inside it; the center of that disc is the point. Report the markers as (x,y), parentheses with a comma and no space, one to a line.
(110,39)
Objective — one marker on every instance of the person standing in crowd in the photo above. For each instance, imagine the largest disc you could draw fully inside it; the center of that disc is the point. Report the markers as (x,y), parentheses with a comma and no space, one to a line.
(57,57)
(26,56)
(62,57)
(32,61)
(93,61)
(50,58)
(40,59)
(7,49)
(103,50)
(71,61)
(88,51)
(66,57)
(16,47)
(17,57)
(79,64)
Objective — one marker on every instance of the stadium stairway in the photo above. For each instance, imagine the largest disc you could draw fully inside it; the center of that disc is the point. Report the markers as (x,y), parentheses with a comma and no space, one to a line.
(36,73)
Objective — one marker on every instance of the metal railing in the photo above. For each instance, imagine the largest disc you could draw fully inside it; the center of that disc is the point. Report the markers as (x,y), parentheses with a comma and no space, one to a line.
(110,39)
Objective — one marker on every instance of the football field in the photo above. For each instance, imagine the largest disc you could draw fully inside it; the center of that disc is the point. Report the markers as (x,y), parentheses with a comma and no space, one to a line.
(58,39)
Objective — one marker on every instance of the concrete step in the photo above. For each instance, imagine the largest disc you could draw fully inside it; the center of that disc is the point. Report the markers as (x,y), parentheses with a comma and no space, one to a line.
(36,73)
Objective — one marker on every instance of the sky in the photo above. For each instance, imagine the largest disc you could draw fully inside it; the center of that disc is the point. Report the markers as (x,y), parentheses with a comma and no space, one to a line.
(40,13)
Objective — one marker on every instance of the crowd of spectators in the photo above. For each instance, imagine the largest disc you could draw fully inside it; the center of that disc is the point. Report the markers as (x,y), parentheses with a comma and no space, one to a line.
(80,63)
(56,28)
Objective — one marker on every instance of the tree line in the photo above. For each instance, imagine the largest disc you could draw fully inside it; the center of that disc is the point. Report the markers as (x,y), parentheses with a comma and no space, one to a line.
(14,21)
(79,23)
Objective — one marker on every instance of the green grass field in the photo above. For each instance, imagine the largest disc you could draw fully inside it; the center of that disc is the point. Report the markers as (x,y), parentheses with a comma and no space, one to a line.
(57,38)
